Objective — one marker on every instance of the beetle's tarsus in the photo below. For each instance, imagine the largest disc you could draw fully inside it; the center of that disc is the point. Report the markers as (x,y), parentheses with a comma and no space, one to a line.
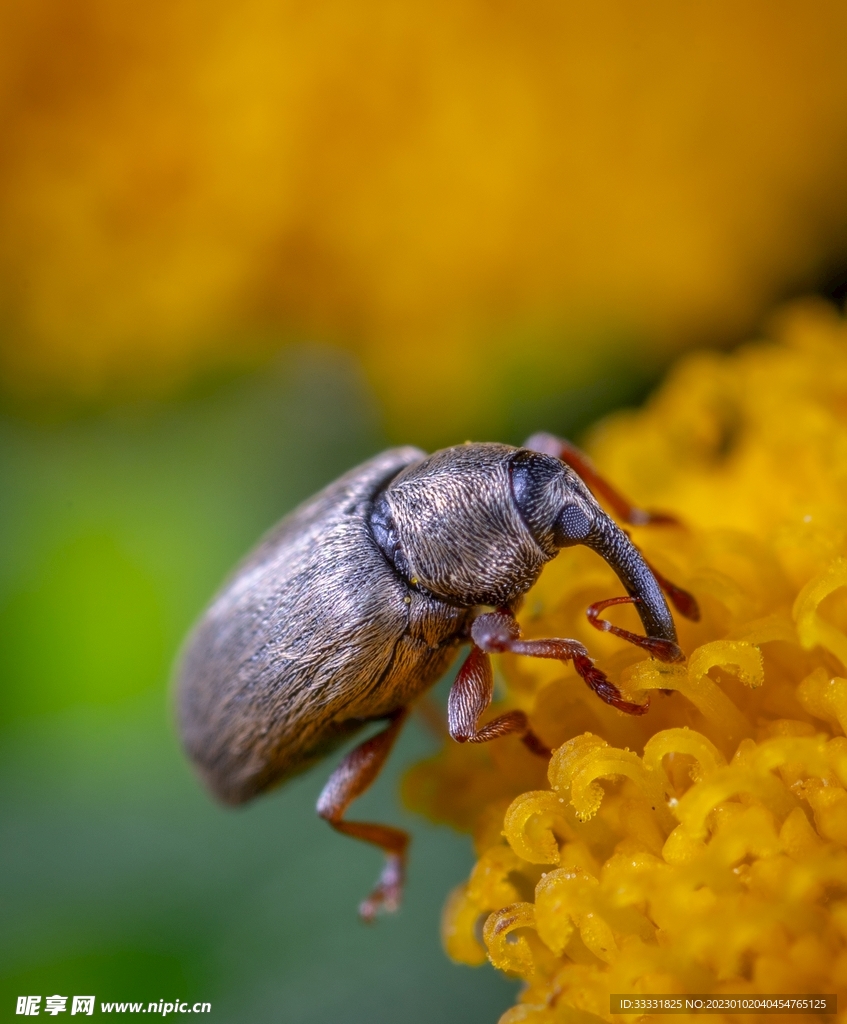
(388,892)
(535,745)
(471,693)
(349,780)
(605,689)
(664,650)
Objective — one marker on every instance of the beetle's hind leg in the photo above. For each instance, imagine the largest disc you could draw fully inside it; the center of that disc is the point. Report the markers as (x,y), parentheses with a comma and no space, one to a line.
(349,780)
(497,632)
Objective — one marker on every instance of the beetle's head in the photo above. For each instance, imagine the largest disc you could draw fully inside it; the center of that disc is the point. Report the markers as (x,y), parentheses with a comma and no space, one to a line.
(555,504)
(560,511)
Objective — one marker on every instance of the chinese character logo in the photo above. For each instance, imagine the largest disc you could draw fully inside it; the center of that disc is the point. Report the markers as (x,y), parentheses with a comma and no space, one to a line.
(83,1004)
(29,1005)
(55,1004)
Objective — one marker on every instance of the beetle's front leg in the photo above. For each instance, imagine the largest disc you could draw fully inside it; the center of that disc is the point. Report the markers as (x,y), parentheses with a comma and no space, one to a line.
(664,650)
(498,632)
(471,694)
(349,780)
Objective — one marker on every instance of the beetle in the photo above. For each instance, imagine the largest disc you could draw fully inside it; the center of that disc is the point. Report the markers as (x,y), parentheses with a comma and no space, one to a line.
(356,603)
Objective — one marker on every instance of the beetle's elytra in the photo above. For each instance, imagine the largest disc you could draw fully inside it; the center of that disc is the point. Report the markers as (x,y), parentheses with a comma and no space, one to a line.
(358,600)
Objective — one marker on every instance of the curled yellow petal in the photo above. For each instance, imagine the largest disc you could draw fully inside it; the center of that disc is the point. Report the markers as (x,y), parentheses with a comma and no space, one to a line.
(836,757)
(830,807)
(765,630)
(693,682)
(743,659)
(682,845)
(797,837)
(528,826)
(459,921)
(751,777)
(489,885)
(748,834)
(508,952)
(629,877)
(555,910)
(825,696)
(811,628)
(577,765)
(809,751)
(705,694)
(571,756)
(567,899)
(706,755)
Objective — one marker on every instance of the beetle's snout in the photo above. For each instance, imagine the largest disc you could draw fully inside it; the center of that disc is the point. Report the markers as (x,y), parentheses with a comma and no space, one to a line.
(613,545)
(560,511)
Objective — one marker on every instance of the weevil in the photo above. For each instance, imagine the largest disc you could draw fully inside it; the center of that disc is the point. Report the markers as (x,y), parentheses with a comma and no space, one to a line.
(358,601)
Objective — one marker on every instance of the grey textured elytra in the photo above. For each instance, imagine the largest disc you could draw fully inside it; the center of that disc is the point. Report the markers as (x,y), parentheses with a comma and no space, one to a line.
(357,602)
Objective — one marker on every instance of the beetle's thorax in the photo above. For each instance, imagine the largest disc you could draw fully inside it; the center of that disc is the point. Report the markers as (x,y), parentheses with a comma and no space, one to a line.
(450,526)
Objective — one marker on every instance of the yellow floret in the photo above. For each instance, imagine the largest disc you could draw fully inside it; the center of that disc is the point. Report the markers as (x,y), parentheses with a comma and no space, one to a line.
(701,848)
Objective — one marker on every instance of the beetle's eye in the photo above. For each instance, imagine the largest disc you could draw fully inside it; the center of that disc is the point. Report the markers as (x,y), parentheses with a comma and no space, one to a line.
(572,526)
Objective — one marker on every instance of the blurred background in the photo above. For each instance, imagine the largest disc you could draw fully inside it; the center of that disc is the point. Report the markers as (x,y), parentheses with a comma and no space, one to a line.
(243,247)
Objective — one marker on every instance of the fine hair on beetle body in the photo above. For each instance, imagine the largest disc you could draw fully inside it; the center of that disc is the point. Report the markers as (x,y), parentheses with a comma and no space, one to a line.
(359,600)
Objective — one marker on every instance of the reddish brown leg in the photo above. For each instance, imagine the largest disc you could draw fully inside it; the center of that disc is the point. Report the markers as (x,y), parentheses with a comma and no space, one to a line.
(470,695)
(349,780)
(664,650)
(498,631)
(548,444)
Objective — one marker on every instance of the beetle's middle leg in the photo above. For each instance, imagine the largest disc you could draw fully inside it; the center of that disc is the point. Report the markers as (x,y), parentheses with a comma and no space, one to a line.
(498,632)
(349,780)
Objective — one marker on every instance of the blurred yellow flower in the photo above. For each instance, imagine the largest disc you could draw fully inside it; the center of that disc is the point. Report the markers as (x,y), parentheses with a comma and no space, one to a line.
(479,198)
(703,846)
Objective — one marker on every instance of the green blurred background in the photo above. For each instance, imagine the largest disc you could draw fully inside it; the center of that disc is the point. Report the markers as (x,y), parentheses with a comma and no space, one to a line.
(242,248)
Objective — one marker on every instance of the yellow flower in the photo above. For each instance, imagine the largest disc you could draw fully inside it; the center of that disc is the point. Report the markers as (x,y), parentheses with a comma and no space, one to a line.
(701,848)
(503,194)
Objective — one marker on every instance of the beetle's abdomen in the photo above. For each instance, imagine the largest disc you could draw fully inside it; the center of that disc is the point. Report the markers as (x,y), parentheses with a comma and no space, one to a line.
(297,649)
